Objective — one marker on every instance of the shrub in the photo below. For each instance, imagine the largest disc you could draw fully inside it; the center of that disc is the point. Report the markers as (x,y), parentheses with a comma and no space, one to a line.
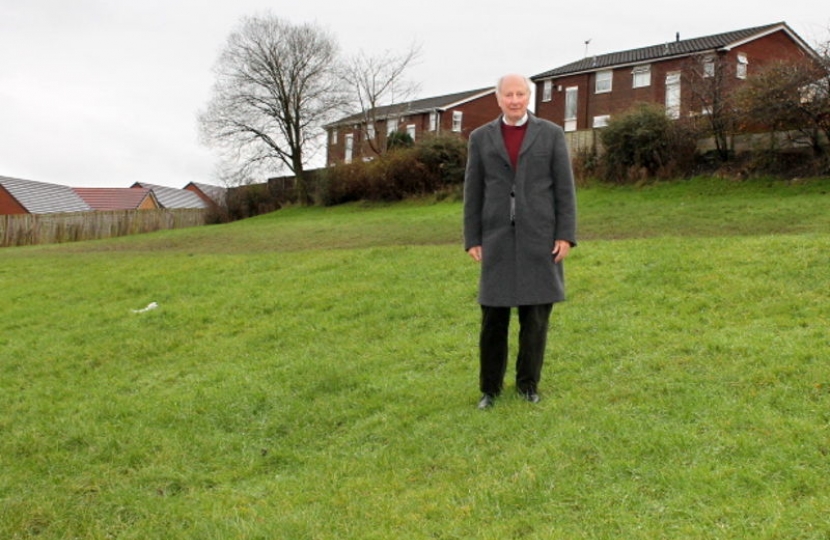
(445,158)
(644,143)
(429,167)
(251,200)
(399,139)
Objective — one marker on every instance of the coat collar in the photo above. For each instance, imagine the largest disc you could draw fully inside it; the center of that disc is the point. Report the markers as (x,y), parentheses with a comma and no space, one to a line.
(533,129)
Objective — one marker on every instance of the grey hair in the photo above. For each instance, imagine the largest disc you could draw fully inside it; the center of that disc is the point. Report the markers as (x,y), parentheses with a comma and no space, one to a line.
(527,81)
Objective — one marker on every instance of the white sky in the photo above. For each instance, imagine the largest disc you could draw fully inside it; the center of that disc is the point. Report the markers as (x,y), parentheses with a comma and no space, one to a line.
(106,92)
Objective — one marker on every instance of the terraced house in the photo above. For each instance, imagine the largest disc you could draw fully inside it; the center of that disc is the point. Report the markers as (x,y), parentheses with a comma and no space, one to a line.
(681,74)
(364,135)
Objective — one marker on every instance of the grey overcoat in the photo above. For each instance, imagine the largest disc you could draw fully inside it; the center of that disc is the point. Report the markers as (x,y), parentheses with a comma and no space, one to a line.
(517,266)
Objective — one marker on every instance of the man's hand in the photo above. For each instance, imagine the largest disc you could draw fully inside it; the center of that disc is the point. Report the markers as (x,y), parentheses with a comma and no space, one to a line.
(561,248)
(475,253)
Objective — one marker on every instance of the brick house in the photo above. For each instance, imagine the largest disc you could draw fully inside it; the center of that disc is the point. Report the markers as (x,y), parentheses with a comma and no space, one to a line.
(586,94)
(349,138)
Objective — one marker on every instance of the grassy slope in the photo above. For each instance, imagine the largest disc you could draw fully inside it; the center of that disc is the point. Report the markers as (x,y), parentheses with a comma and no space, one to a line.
(311,374)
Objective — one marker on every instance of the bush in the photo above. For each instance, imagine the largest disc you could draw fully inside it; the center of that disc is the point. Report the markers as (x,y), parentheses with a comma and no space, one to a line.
(644,143)
(251,200)
(399,139)
(430,166)
(445,157)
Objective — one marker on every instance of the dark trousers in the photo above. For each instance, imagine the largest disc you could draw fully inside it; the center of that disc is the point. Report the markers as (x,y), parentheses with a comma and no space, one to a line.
(533,334)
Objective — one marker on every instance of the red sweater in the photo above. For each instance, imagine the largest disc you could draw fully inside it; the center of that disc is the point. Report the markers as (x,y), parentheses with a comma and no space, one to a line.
(513,137)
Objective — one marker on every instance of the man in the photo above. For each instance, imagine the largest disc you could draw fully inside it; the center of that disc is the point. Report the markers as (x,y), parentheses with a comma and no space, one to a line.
(520,224)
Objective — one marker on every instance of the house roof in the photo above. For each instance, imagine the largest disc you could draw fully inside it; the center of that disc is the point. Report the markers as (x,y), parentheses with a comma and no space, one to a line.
(214,193)
(169,197)
(663,51)
(437,103)
(114,198)
(42,197)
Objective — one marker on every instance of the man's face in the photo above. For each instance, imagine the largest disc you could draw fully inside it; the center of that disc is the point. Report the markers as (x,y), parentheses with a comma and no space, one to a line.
(513,98)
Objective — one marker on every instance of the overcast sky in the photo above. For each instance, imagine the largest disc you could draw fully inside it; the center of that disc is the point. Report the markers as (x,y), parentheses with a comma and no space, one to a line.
(106,92)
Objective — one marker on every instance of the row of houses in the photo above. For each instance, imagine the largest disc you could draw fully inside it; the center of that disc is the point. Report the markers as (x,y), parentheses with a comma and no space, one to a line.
(584,95)
(581,96)
(19,196)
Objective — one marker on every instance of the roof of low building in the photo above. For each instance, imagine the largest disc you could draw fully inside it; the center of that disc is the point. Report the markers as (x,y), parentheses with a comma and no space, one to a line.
(169,197)
(418,106)
(114,198)
(215,193)
(43,197)
(662,51)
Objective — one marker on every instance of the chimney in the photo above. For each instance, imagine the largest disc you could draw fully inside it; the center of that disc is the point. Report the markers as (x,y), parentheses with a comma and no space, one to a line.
(677,36)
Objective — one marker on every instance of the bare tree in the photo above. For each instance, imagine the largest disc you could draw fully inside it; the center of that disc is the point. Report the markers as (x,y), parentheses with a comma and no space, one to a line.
(709,78)
(375,82)
(276,86)
(790,96)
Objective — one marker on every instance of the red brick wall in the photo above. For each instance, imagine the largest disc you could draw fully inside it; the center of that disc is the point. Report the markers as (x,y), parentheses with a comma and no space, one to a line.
(9,205)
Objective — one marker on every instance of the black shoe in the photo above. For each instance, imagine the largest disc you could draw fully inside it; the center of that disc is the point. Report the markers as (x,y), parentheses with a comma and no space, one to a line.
(487,401)
(531,396)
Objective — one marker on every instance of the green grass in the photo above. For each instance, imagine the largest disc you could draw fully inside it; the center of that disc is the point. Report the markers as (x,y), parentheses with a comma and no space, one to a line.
(312,374)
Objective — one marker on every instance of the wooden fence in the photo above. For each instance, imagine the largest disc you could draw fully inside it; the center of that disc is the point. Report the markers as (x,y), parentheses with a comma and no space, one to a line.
(30,229)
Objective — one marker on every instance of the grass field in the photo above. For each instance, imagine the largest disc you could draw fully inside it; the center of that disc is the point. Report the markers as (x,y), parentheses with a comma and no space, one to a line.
(312,374)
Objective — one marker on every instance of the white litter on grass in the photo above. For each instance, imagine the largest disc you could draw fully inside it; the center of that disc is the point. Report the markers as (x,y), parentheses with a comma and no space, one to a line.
(151,305)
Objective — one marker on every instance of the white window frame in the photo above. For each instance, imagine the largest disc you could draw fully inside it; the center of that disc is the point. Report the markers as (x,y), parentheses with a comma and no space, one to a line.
(433,121)
(604,81)
(708,67)
(742,67)
(391,125)
(601,121)
(349,144)
(370,131)
(641,76)
(334,136)
(457,119)
(410,130)
(547,90)
(571,102)
(673,97)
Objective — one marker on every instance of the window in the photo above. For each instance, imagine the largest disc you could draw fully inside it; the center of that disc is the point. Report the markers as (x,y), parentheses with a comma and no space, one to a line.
(708,67)
(673,95)
(603,82)
(433,121)
(547,90)
(370,131)
(410,130)
(456,121)
(334,136)
(349,147)
(642,76)
(391,125)
(602,120)
(743,63)
(570,108)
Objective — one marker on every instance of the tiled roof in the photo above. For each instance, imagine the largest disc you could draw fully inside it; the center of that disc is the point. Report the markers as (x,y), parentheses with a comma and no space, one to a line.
(215,193)
(669,49)
(44,198)
(169,197)
(418,106)
(113,198)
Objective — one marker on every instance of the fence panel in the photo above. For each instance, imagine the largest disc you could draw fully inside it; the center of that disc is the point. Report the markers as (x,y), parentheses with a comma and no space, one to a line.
(31,229)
